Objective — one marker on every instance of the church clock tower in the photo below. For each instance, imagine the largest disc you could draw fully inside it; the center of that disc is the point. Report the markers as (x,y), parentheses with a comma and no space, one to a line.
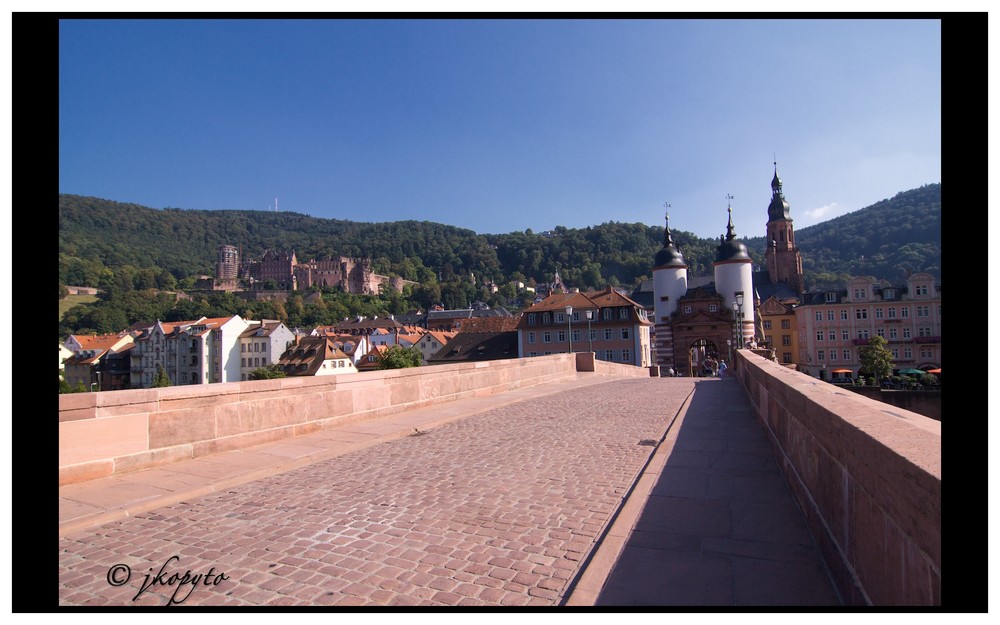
(784,262)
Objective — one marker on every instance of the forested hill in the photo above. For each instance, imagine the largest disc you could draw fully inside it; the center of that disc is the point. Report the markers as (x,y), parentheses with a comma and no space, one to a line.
(885,240)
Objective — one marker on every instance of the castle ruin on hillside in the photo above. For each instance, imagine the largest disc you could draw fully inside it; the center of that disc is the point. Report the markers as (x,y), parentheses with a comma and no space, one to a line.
(280,270)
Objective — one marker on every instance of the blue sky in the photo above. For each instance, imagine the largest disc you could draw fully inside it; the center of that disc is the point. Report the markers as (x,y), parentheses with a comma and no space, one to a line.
(502,125)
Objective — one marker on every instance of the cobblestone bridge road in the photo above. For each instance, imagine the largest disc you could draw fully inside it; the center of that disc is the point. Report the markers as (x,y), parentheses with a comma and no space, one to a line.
(499,508)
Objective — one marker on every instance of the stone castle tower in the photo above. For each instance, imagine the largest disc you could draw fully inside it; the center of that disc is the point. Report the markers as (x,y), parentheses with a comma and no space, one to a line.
(669,285)
(227,263)
(734,279)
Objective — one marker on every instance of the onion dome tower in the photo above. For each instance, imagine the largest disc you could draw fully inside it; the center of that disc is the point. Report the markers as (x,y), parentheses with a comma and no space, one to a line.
(782,257)
(669,285)
(734,278)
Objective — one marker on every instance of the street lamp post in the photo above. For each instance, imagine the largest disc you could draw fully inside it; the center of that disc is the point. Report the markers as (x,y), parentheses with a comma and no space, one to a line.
(739,319)
(729,347)
(569,324)
(736,317)
(590,337)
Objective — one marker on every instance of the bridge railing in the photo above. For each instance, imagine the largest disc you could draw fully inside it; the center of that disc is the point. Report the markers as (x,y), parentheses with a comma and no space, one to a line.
(113,432)
(866,474)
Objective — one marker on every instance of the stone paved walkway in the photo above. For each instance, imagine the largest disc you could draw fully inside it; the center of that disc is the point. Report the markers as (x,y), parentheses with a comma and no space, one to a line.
(497,508)
(713,521)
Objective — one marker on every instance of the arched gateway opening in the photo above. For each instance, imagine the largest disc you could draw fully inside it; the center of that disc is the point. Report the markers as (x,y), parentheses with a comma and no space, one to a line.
(703,358)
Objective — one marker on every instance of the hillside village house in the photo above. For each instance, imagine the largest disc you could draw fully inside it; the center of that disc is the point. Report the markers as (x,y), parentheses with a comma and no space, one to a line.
(315,356)
(370,361)
(99,361)
(64,353)
(452,320)
(606,322)
(406,336)
(480,339)
(201,351)
(433,341)
(354,345)
(262,344)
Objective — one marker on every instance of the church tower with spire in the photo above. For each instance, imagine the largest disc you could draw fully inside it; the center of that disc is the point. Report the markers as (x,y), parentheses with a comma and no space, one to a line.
(783,260)
(669,285)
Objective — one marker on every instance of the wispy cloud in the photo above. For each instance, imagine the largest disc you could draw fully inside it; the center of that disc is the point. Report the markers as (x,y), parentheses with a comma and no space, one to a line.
(823,213)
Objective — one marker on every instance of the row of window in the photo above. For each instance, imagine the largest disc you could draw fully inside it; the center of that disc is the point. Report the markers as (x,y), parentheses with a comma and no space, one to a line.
(608,314)
(624,355)
(888,312)
(862,293)
(786,324)
(926,353)
(892,333)
(609,335)
(257,347)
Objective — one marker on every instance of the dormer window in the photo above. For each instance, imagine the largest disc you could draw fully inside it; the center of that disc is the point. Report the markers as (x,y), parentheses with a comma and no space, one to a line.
(831,298)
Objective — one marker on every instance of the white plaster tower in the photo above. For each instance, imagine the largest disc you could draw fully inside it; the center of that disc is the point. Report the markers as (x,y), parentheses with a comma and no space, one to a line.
(734,279)
(669,285)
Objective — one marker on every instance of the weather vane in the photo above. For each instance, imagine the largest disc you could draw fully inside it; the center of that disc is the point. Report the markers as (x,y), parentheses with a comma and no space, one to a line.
(729,196)
(666,205)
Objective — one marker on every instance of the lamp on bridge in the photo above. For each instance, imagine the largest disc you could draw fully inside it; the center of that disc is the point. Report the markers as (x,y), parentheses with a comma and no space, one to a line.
(569,324)
(590,337)
(738,315)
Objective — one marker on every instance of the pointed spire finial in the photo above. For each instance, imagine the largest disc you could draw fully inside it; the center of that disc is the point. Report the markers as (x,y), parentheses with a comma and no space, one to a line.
(730,230)
(667,239)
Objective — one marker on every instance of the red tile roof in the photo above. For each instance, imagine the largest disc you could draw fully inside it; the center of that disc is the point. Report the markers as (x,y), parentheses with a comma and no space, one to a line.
(489,324)
(308,355)
(96,341)
(441,336)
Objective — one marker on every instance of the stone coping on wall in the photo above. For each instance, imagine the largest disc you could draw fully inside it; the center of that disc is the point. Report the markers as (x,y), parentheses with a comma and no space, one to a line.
(112,432)
(867,475)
